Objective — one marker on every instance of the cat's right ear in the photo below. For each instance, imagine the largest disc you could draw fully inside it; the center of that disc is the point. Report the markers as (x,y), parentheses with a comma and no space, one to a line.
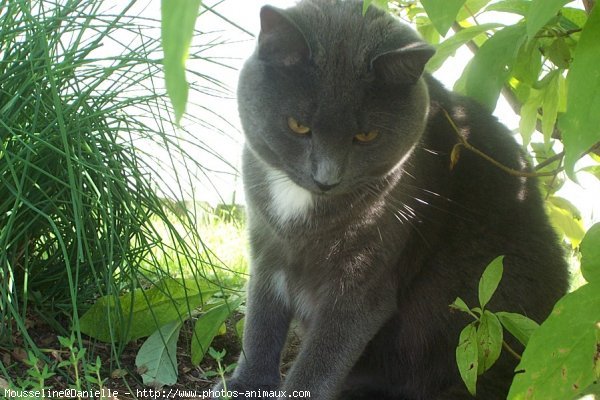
(404,65)
(280,41)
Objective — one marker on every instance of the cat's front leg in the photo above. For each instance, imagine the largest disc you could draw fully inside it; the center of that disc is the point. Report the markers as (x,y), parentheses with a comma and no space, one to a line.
(265,332)
(335,340)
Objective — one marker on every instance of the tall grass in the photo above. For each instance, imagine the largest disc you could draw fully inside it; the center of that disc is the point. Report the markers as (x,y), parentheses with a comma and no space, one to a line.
(80,214)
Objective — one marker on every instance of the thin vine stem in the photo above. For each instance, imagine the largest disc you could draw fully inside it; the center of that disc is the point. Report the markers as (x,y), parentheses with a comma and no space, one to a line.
(511,350)
(464,143)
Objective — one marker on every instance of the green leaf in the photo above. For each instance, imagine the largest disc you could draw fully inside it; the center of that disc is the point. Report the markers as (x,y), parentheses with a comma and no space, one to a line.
(518,325)
(442,13)
(467,357)
(575,15)
(450,45)
(489,341)
(559,53)
(459,304)
(540,12)
(592,169)
(207,327)
(427,30)
(590,254)
(139,313)
(558,362)
(470,9)
(528,63)
(491,66)
(239,327)
(383,4)
(565,218)
(520,7)
(529,114)
(550,108)
(489,280)
(580,125)
(157,357)
(177,28)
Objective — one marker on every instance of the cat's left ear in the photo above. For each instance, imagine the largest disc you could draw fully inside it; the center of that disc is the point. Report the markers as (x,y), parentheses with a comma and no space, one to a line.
(404,65)
(280,41)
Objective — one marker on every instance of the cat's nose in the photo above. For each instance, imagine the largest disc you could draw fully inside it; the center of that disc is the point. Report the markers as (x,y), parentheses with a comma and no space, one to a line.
(325,186)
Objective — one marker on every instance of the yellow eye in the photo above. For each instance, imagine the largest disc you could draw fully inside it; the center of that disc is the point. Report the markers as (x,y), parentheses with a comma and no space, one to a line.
(297,127)
(366,137)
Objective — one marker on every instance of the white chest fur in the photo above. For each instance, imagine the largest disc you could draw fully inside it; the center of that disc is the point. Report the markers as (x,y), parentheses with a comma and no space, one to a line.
(302,303)
(288,200)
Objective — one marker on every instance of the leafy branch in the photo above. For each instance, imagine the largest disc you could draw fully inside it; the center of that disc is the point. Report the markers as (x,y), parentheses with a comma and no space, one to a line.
(463,142)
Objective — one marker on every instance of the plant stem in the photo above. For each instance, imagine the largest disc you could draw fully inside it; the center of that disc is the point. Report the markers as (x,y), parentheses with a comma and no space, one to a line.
(510,350)
(463,142)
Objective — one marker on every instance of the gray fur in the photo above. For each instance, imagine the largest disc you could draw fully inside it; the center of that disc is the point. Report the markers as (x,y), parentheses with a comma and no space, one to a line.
(370,266)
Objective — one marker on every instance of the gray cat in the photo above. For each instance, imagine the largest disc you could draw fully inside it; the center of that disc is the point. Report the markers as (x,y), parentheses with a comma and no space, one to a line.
(358,226)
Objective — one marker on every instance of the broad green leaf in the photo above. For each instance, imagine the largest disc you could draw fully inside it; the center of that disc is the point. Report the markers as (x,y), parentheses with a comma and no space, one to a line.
(562,94)
(580,125)
(139,313)
(489,280)
(528,63)
(559,53)
(383,4)
(450,45)
(460,86)
(442,13)
(558,362)
(550,108)
(467,356)
(540,12)
(518,325)
(207,327)
(157,357)
(178,18)
(520,7)
(576,15)
(489,341)
(427,30)
(470,9)
(590,254)
(529,114)
(491,66)
(565,218)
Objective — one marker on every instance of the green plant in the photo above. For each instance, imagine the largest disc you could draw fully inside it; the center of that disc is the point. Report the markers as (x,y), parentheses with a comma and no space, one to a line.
(88,153)
(222,370)
(165,305)
(76,358)
(561,357)
(37,382)
(37,375)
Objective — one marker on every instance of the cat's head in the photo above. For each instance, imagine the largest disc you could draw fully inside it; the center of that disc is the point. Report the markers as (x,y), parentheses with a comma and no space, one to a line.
(331,97)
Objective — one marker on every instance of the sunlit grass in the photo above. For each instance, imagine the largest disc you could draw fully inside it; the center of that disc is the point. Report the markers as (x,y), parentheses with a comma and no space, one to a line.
(81,213)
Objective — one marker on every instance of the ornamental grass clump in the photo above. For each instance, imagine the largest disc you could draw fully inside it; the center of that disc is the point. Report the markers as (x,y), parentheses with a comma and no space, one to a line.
(80,214)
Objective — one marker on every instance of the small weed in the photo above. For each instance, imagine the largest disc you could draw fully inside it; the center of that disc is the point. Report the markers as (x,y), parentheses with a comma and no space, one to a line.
(76,356)
(37,375)
(222,369)
(36,382)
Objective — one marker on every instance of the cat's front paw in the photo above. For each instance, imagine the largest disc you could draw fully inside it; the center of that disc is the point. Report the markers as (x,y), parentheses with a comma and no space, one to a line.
(235,389)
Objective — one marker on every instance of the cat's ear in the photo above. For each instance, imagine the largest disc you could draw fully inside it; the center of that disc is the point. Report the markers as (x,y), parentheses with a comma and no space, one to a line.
(280,41)
(404,65)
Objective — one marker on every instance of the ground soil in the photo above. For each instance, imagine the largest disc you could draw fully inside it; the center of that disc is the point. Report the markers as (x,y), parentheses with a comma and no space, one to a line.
(121,375)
